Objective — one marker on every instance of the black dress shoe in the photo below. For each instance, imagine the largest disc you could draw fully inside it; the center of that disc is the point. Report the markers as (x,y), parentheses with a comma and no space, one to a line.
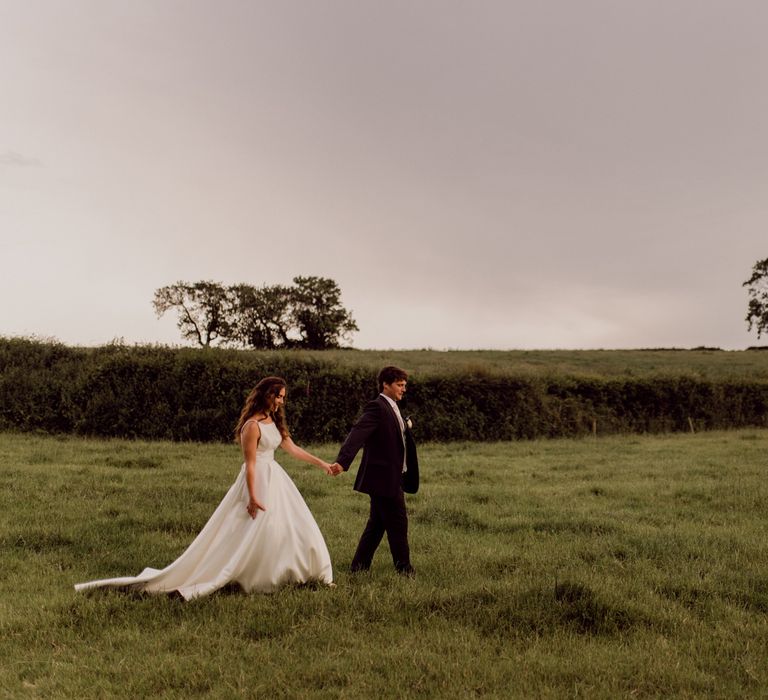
(408,571)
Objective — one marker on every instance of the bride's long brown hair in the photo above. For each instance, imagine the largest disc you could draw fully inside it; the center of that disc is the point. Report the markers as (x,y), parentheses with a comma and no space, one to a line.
(260,400)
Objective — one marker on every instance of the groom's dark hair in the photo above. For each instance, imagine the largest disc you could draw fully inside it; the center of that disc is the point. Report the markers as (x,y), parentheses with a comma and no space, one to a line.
(391,374)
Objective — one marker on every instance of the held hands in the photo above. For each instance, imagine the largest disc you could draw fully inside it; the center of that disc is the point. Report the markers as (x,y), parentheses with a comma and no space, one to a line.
(332,469)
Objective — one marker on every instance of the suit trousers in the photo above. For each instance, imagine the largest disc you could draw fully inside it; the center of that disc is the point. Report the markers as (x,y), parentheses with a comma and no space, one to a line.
(388,514)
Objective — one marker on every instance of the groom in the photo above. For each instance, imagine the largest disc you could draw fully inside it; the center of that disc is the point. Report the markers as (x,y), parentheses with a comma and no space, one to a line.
(388,467)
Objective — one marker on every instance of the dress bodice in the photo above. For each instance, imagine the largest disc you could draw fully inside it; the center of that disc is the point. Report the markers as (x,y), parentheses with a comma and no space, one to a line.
(269,441)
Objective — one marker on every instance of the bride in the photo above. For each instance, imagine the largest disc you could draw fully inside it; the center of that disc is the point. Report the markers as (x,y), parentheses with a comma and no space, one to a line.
(262,534)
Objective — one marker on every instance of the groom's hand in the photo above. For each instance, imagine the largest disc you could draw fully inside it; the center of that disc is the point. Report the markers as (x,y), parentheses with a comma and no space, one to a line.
(336,469)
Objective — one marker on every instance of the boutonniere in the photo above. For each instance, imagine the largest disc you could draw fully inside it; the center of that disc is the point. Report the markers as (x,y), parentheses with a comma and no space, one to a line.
(409,422)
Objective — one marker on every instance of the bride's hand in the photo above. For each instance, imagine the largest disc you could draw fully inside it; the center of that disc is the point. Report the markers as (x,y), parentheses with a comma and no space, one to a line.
(254,507)
(327,468)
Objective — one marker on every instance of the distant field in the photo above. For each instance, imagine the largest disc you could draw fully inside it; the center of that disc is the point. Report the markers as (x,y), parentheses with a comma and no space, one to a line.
(699,363)
(630,567)
(710,364)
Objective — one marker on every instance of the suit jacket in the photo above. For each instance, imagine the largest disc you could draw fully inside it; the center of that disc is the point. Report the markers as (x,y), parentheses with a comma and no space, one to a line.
(380,473)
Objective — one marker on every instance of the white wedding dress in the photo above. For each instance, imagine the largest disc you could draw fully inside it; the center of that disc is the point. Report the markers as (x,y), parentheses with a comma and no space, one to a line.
(283,544)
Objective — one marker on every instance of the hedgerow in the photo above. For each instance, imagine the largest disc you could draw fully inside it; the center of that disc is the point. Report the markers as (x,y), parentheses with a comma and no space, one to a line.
(157,392)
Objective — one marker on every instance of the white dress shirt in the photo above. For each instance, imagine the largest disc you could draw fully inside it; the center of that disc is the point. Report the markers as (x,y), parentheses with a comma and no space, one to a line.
(399,417)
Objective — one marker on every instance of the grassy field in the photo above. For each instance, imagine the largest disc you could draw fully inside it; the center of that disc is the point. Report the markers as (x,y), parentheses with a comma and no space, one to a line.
(620,567)
(709,364)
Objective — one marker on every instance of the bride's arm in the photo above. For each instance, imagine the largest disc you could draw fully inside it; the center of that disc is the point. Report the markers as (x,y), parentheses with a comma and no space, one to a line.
(295,451)
(250,441)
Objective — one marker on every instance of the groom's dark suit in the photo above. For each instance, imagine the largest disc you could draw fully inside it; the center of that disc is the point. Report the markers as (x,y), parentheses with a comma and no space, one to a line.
(380,475)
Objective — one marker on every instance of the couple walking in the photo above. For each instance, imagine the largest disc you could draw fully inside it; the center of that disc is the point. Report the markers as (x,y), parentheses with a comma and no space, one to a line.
(262,534)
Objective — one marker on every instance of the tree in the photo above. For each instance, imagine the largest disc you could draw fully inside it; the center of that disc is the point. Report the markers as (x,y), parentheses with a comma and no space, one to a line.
(317,313)
(308,314)
(757,284)
(203,309)
(261,317)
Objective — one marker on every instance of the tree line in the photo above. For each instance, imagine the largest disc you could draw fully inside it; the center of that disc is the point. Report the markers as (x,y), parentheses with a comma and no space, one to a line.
(307,314)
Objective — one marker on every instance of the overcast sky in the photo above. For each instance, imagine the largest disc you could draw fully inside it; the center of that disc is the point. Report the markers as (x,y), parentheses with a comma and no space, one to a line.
(511,174)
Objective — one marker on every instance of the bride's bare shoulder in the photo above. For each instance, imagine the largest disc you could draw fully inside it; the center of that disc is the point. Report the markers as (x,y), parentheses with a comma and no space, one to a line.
(250,427)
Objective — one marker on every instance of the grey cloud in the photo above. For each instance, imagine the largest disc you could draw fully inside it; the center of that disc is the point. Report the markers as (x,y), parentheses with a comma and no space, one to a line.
(19,160)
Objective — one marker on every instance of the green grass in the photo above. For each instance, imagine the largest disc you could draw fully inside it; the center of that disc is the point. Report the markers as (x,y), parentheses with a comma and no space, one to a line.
(620,567)
(705,364)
